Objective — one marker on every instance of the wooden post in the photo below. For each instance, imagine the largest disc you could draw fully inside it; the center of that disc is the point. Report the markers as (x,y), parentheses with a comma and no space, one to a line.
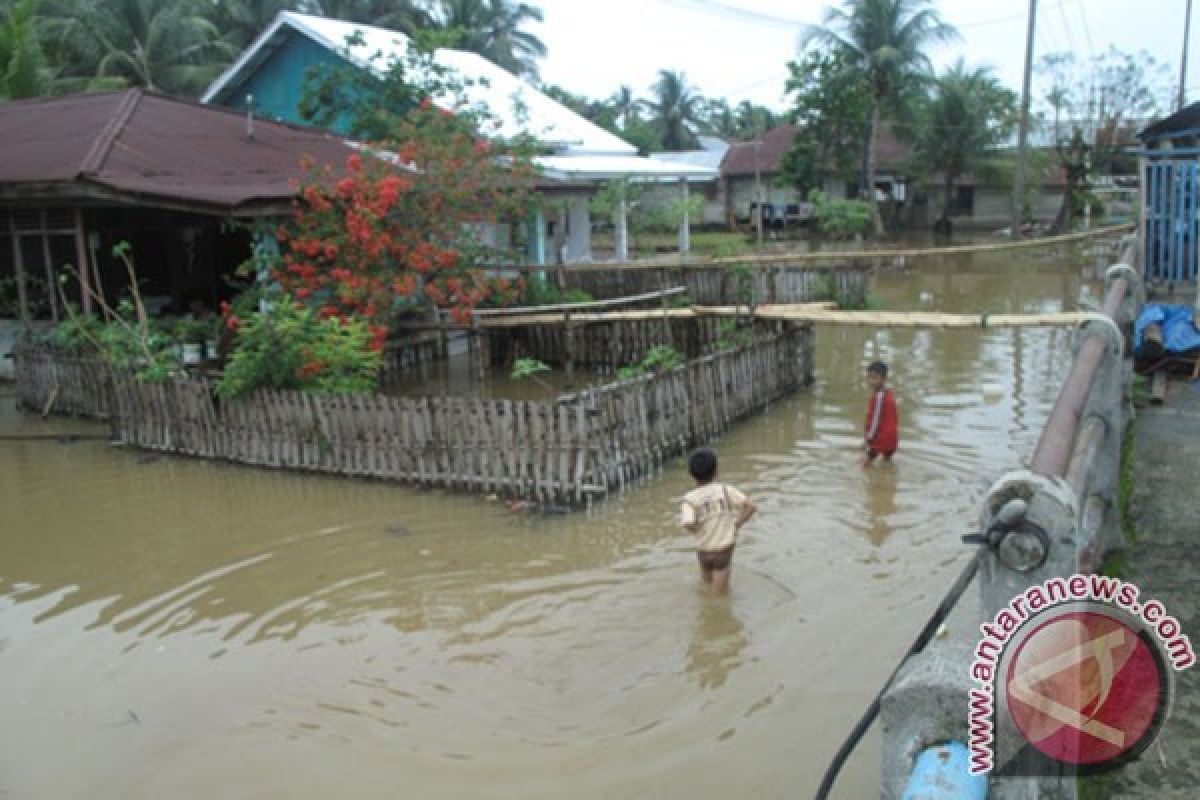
(569,347)
(479,336)
(443,337)
(19,266)
(48,268)
(662,286)
(81,265)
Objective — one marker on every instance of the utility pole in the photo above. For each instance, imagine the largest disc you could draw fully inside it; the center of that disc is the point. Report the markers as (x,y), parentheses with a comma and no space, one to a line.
(758,200)
(1018,198)
(1187,27)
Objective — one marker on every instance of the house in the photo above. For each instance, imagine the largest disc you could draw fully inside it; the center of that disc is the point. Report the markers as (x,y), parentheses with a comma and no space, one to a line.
(710,155)
(1169,169)
(752,169)
(579,155)
(185,184)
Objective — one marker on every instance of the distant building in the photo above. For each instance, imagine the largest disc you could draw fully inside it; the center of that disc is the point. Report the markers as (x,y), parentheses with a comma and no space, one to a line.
(271,76)
(712,151)
(1169,166)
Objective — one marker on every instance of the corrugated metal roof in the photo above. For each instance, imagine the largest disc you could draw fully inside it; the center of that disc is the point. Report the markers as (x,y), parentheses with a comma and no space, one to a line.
(1186,119)
(709,158)
(601,167)
(152,146)
(769,151)
(517,106)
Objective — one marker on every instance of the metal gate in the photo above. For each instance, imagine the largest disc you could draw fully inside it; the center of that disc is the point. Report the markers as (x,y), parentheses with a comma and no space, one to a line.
(1171,220)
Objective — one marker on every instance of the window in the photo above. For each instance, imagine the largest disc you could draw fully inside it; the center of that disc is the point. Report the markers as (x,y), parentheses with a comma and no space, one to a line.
(963,204)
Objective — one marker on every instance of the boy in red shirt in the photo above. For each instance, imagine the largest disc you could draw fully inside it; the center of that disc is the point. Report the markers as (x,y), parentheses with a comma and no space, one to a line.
(883,423)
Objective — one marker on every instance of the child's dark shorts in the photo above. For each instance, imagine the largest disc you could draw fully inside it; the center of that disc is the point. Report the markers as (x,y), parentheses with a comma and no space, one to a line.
(715,559)
(873,454)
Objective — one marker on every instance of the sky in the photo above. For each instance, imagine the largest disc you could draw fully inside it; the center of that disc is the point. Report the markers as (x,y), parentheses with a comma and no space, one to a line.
(738,49)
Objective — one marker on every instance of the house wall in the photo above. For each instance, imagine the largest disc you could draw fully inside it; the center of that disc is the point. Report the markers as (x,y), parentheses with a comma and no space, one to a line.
(992,207)
(278,85)
(657,195)
(743,195)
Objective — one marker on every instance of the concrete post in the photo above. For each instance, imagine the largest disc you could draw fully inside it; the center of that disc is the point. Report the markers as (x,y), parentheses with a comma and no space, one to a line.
(685,237)
(579,230)
(621,235)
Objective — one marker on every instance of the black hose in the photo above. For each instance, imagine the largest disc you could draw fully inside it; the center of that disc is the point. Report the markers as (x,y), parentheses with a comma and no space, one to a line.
(927,633)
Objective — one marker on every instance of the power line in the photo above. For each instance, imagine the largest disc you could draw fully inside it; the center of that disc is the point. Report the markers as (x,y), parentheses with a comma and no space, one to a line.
(727,11)
(1087,31)
(1062,13)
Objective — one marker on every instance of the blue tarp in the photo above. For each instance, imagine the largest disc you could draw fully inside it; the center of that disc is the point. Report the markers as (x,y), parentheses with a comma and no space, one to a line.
(1178,324)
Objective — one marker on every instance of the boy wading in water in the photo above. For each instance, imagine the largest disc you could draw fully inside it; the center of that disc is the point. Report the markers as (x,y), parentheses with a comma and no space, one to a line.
(714,512)
(883,422)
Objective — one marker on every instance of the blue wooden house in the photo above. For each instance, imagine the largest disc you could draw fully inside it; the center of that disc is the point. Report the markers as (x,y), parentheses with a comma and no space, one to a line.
(578,157)
(1169,164)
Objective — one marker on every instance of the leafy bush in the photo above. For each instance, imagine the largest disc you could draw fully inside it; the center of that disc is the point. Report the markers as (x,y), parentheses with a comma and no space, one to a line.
(75,333)
(729,335)
(541,292)
(660,358)
(839,219)
(292,347)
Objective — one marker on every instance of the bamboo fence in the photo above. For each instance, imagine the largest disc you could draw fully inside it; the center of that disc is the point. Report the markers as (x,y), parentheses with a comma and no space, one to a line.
(566,451)
(720,283)
(52,380)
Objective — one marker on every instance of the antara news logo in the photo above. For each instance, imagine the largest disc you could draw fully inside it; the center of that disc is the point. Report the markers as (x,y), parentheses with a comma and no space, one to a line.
(1073,673)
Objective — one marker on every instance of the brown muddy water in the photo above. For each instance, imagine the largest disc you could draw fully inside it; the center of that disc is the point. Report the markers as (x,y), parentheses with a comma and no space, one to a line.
(175,628)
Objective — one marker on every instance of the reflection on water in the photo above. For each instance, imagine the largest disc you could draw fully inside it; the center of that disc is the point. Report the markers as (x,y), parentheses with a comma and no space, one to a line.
(881,500)
(717,642)
(171,627)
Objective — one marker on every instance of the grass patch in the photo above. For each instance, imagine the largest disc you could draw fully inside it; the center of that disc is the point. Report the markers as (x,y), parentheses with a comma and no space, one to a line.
(1141,391)
(1116,564)
(1095,787)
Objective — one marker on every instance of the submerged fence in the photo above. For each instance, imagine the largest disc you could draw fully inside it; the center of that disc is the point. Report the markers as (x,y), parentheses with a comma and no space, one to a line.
(566,450)
(723,284)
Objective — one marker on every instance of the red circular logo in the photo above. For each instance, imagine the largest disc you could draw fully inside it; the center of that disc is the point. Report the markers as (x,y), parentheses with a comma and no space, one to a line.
(1086,688)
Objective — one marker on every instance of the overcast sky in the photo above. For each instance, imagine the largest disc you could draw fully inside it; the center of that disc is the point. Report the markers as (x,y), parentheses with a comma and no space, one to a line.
(738,48)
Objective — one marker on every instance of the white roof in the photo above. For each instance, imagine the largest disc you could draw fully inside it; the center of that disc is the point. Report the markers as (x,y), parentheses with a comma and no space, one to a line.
(709,159)
(601,167)
(517,106)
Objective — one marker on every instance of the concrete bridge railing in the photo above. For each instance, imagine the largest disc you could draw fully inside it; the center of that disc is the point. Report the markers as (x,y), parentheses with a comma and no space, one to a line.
(1059,517)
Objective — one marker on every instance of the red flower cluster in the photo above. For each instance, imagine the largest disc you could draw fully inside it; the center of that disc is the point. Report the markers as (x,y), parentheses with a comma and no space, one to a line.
(376,232)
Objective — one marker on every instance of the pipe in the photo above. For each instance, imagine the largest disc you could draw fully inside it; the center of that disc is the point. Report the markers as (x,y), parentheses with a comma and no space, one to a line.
(1087,445)
(1052,455)
(942,773)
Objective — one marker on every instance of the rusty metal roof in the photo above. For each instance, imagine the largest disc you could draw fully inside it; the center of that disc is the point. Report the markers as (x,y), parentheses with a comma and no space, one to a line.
(139,146)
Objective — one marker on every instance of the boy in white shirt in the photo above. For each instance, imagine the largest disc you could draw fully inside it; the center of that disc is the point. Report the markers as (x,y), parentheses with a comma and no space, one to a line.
(714,512)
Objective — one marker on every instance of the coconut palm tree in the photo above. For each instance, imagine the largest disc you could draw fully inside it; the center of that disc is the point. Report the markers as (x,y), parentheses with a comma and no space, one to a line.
(676,111)
(886,40)
(240,21)
(22,64)
(493,29)
(967,119)
(167,45)
(407,16)
(624,105)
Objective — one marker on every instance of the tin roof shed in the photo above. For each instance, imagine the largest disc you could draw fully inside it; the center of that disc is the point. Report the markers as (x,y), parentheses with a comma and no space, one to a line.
(136,147)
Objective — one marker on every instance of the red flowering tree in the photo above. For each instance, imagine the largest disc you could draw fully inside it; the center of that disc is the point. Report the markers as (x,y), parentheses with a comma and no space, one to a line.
(404,224)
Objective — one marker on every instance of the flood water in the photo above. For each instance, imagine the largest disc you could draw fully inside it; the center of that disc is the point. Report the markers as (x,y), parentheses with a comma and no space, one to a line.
(175,628)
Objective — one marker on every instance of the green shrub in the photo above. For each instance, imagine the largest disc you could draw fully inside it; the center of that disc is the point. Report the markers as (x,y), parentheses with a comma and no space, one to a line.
(840,219)
(541,292)
(660,358)
(291,347)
